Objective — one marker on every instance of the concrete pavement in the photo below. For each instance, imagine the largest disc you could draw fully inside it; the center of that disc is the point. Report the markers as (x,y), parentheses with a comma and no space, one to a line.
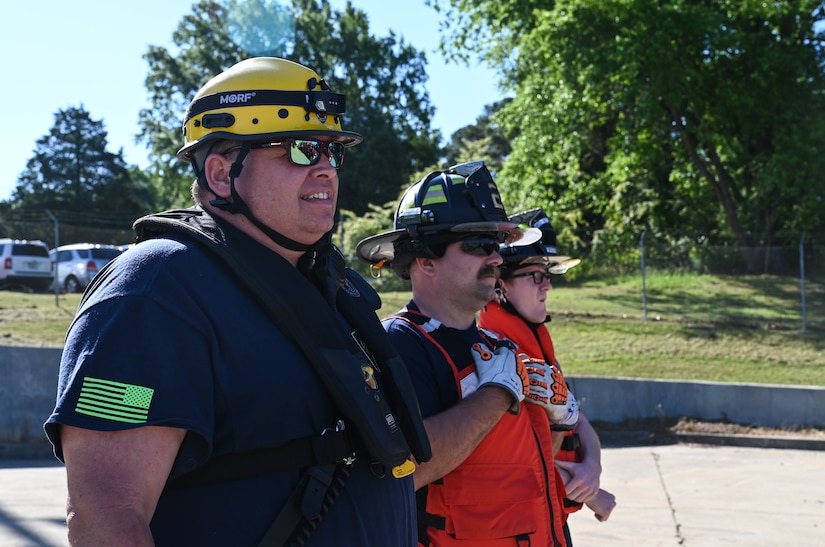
(672,495)
(700,495)
(32,503)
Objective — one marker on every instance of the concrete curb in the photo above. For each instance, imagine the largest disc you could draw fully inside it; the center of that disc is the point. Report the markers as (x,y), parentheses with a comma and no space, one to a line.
(26,451)
(618,400)
(647,437)
(751,441)
(27,397)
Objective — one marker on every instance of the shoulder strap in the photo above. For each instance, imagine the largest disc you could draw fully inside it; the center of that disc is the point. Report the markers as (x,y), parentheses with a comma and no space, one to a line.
(417,320)
(442,339)
(358,307)
(291,310)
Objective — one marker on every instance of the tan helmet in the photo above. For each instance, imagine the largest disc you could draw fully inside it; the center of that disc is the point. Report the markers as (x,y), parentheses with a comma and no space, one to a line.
(264,98)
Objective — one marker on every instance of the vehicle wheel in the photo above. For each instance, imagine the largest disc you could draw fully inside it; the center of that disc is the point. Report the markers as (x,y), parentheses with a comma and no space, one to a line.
(71,284)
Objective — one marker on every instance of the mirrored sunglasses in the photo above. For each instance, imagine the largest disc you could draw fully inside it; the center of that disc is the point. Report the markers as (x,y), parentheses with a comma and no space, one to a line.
(480,246)
(304,152)
(537,276)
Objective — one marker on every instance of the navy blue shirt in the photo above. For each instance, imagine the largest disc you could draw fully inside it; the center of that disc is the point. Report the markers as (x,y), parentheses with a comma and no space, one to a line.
(436,383)
(171,339)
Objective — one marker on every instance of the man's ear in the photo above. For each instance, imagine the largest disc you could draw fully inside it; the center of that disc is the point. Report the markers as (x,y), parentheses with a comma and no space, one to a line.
(425,265)
(216,170)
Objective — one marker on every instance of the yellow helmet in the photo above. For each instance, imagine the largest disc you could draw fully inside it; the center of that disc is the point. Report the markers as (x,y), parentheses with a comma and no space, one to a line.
(264,98)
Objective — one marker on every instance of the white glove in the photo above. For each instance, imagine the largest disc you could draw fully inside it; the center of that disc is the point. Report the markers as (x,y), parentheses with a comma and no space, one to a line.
(549,389)
(500,367)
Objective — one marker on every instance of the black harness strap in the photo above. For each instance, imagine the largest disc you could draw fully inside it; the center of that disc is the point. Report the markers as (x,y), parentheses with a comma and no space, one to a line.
(328,350)
(309,451)
(571,443)
(383,426)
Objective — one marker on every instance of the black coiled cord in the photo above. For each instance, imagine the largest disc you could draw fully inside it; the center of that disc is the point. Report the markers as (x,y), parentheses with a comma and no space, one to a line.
(307,526)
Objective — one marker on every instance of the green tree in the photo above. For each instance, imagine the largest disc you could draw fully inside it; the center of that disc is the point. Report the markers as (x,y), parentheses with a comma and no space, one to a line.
(678,116)
(383,79)
(352,228)
(71,170)
(484,140)
(203,48)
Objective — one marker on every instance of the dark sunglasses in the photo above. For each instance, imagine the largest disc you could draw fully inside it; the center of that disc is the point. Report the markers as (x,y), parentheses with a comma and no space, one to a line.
(480,246)
(538,277)
(303,152)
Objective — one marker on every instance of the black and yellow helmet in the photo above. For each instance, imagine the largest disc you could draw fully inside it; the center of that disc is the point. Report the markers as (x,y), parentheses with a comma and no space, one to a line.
(441,208)
(264,98)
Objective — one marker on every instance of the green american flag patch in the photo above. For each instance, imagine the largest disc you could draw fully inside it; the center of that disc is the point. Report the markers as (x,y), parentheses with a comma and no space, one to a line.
(114,400)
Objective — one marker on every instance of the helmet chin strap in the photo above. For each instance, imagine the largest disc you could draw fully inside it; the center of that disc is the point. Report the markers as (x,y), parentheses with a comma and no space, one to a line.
(507,305)
(238,206)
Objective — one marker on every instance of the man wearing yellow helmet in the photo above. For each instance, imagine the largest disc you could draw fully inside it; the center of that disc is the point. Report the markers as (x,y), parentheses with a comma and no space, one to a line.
(225,381)
(235,117)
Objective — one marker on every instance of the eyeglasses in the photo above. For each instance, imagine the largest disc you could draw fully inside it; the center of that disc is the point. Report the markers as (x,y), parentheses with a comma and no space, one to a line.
(303,152)
(537,276)
(480,246)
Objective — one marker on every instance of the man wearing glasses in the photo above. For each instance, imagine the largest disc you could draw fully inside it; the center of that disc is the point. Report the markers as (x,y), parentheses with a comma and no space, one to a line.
(489,483)
(225,381)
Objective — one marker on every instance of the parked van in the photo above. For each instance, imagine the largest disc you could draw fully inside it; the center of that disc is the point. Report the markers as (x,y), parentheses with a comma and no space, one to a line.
(25,263)
(78,263)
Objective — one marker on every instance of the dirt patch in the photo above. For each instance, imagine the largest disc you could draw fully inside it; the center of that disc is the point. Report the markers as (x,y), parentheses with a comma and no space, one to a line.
(687,425)
(668,430)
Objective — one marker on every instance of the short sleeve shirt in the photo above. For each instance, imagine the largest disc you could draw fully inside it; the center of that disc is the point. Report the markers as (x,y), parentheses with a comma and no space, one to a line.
(170,338)
(434,380)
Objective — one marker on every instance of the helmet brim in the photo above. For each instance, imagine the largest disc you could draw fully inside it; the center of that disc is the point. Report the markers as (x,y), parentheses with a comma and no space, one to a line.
(380,247)
(554,264)
(564,265)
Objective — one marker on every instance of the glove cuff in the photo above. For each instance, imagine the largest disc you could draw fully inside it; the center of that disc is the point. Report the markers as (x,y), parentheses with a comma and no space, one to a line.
(516,406)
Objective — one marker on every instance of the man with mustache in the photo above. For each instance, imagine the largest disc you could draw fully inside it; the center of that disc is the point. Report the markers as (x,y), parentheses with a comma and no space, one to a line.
(489,482)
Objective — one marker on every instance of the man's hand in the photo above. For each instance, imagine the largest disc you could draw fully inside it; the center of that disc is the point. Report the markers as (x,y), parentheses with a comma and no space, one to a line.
(549,389)
(581,480)
(602,504)
(500,367)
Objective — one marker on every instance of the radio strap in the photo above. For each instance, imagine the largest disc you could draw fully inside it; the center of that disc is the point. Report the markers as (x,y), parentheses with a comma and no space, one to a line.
(383,424)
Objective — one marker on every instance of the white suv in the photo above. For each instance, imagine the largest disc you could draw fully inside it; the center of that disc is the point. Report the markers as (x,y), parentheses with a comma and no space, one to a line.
(78,263)
(25,263)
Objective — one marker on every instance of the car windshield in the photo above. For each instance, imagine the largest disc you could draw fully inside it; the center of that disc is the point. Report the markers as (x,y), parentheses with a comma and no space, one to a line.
(28,249)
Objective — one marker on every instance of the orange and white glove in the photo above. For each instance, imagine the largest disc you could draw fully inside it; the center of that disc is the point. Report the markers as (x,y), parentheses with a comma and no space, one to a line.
(549,389)
(500,367)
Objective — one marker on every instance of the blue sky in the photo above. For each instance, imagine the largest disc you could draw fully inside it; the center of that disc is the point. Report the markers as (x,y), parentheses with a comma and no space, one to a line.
(57,55)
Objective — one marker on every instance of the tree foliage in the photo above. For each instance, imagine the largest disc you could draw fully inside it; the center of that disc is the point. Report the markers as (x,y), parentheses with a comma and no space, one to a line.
(204,48)
(484,140)
(383,79)
(687,118)
(352,228)
(72,171)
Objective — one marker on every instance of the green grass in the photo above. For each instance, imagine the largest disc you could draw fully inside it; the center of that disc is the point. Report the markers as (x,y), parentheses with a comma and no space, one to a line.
(707,328)
(35,319)
(725,329)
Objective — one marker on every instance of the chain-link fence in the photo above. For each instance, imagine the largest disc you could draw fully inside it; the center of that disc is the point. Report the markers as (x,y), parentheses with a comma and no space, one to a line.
(64,227)
(788,280)
(784,260)
(773,286)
